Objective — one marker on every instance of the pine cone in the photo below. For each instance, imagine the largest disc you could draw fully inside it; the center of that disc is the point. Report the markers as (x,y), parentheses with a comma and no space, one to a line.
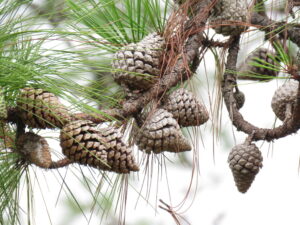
(35,149)
(138,64)
(244,160)
(284,95)
(251,72)
(81,142)
(239,98)
(185,108)
(161,132)
(228,17)
(119,156)
(3,109)
(41,109)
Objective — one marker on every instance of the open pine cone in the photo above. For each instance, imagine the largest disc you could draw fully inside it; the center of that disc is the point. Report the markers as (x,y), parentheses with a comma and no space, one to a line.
(228,17)
(244,160)
(185,108)
(161,132)
(35,149)
(285,95)
(137,65)
(251,72)
(81,142)
(41,109)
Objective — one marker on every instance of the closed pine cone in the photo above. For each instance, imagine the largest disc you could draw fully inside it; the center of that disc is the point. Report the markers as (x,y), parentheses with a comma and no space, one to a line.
(186,108)
(161,132)
(251,72)
(81,142)
(35,149)
(3,109)
(119,156)
(137,65)
(245,161)
(284,95)
(228,17)
(41,109)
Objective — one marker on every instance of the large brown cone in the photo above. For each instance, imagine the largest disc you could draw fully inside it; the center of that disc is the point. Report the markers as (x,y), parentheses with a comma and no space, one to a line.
(119,156)
(186,108)
(81,142)
(35,149)
(248,71)
(229,17)
(283,96)
(161,132)
(137,65)
(244,160)
(41,109)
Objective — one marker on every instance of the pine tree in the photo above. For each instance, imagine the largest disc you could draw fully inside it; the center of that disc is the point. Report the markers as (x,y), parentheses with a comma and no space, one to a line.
(115,86)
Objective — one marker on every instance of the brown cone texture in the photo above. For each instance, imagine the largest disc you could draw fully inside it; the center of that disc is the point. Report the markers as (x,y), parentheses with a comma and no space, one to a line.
(35,149)
(137,65)
(239,98)
(186,108)
(81,142)
(247,71)
(161,132)
(228,17)
(3,109)
(284,95)
(245,161)
(41,109)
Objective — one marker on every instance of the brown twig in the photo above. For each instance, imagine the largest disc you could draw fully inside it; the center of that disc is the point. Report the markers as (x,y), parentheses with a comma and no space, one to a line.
(287,128)
(60,163)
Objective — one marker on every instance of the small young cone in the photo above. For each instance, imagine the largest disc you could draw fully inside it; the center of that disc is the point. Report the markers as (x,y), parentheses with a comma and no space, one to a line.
(283,96)
(247,71)
(239,98)
(137,65)
(161,132)
(81,142)
(245,161)
(228,17)
(41,109)
(3,109)
(35,149)
(186,108)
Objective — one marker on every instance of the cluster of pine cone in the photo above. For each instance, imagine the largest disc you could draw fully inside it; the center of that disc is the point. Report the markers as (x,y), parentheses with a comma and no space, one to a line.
(137,68)
(81,141)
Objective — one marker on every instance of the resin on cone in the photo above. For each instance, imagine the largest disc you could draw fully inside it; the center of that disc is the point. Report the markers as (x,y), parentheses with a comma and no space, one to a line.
(228,17)
(161,132)
(285,95)
(3,109)
(248,71)
(35,149)
(41,109)
(81,142)
(137,65)
(186,108)
(245,161)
